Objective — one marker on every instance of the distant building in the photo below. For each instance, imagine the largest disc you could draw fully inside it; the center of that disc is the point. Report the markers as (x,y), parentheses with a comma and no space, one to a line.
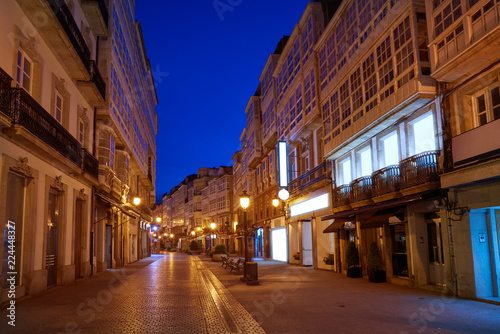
(199,200)
(216,204)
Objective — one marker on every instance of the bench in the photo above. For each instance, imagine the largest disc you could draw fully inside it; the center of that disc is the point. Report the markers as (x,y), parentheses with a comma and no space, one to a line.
(238,265)
(226,262)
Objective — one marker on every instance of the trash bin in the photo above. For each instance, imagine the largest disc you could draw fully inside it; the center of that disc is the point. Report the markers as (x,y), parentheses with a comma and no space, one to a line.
(252,273)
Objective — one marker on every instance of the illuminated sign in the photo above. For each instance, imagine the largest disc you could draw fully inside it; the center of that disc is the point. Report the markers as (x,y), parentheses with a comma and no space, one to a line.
(282,164)
(316,203)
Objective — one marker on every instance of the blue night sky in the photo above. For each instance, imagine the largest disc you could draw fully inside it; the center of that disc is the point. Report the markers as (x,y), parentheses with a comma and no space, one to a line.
(206,64)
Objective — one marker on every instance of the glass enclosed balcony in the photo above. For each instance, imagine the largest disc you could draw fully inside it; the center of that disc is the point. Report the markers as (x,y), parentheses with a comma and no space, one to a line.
(464,35)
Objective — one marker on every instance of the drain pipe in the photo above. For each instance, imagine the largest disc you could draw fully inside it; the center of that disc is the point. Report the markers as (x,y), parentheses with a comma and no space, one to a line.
(451,246)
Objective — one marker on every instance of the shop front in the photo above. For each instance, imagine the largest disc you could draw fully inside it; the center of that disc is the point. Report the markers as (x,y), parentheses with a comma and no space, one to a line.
(278,240)
(308,246)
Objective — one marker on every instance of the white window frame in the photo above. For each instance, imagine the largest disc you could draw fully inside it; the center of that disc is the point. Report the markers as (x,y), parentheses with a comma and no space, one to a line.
(21,71)
(57,109)
(81,131)
(486,91)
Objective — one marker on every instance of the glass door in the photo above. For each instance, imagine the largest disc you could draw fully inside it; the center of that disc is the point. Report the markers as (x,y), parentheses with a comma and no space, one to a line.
(52,240)
(399,255)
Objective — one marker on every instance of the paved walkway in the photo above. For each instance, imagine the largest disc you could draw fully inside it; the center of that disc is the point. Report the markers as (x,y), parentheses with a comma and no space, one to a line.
(295,299)
(178,293)
(173,293)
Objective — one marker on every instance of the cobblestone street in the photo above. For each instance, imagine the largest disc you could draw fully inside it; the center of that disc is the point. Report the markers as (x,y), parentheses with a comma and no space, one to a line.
(179,293)
(170,293)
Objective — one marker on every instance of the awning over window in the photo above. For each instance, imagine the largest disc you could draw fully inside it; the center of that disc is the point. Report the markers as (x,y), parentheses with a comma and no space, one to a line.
(337,224)
(382,216)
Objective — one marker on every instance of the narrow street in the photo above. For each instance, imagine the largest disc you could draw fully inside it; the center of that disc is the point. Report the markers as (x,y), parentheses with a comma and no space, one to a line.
(170,293)
(179,293)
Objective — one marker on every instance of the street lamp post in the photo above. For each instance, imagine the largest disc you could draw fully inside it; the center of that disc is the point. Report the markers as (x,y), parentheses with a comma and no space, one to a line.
(212,225)
(245,202)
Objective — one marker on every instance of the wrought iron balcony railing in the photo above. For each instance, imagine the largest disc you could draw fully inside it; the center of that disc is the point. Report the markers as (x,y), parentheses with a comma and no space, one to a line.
(419,169)
(5,82)
(361,188)
(29,114)
(97,79)
(90,164)
(385,180)
(416,170)
(26,112)
(342,195)
(71,29)
(314,176)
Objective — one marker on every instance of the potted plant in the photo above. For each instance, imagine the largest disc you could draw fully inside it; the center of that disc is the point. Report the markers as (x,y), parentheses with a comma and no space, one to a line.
(219,253)
(374,264)
(352,260)
(329,260)
(193,246)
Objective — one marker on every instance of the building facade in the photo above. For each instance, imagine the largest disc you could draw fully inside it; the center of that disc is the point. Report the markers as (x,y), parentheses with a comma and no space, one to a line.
(465,63)
(70,164)
(125,138)
(50,89)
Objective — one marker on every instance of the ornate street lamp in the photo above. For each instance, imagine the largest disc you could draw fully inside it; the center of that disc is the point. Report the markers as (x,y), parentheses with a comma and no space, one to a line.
(244,203)
(137,200)
(283,195)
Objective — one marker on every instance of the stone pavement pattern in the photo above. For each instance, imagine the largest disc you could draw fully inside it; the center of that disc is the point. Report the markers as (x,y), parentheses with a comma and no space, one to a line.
(178,293)
(295,299)
(172,293)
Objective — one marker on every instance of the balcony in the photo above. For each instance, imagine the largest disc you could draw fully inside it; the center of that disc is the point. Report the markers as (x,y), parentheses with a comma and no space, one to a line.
(62,35)
(24,113)
(97,15)
(5,117)
(385,181)
(90,164)
(342,196)
(316,178)
(415,174)
(362,189)
(27,113)
(419,169)
(94,90)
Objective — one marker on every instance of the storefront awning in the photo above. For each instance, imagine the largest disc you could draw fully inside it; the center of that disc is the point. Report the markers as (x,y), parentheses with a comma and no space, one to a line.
(337,224)
(368,209)
(382,216)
